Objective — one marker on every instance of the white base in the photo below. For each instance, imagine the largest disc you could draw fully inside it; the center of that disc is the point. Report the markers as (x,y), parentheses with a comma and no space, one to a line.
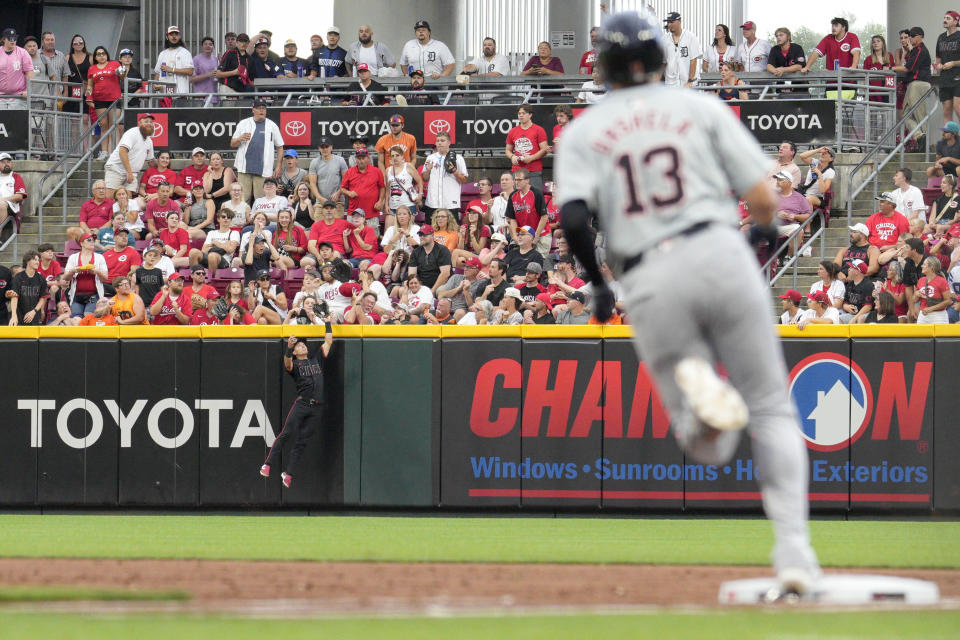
(847,589)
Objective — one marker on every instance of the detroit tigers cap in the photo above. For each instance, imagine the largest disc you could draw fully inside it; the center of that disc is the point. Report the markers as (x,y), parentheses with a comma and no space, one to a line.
(9,34)
(860,227)
(578,296)
(916,31)
(673,16)
(791,294)
(325,142)
(422,23)
(818,296)
(886,196)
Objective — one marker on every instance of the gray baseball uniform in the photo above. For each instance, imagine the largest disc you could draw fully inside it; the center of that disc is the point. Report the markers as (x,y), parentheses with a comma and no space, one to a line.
(656,162)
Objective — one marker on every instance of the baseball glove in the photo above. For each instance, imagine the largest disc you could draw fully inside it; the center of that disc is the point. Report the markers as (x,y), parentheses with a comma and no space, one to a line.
(450,162)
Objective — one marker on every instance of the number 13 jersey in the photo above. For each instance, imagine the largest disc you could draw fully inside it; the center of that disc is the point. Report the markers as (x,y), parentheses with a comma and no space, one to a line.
(655,160)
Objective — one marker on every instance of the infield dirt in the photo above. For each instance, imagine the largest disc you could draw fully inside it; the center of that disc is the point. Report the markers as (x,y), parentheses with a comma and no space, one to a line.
(372,587)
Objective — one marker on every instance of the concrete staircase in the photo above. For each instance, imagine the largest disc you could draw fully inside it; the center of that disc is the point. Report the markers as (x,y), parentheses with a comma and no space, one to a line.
(837,235)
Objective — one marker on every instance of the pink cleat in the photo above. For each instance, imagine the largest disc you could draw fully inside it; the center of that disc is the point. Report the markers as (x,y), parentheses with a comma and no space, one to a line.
(265,471)
(286,479)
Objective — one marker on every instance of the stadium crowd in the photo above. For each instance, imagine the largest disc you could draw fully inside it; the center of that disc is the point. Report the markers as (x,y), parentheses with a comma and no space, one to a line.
(379,237)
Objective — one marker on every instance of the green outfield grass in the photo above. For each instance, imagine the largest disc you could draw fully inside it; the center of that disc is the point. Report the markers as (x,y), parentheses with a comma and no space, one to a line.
(732,625)
(85,594)
(920,544)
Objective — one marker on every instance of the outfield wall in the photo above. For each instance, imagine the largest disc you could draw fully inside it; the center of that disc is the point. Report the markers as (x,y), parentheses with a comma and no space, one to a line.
(455,417)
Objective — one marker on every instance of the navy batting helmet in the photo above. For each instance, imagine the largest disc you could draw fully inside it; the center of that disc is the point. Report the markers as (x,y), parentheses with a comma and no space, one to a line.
(626,38)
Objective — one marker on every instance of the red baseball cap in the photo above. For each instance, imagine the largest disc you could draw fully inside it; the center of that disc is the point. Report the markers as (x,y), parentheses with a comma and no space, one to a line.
(792,294)
(363,66)
(174,276)
(473,263)
(545,299)
(953,14)
(87,235)
(142,116)
(749,24)
(818,296)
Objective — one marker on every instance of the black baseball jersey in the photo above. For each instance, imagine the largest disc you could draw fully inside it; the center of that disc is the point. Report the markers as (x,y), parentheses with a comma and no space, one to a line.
(948,50)
(29,291)
(307,374)
(149,281)
(794,55)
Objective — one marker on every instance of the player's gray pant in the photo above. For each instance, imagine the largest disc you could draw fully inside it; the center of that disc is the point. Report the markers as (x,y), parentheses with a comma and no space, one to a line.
(703,296)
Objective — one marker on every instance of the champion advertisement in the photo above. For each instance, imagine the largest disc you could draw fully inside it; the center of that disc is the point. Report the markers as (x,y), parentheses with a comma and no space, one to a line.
(587,429)
(13,129)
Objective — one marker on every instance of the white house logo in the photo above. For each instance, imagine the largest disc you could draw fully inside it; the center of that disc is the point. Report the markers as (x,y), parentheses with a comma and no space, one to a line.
(834,400)
(438,126)
(295,128)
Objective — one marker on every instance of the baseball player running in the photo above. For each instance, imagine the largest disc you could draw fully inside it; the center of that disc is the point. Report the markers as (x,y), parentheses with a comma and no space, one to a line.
(308,409)
(659,165)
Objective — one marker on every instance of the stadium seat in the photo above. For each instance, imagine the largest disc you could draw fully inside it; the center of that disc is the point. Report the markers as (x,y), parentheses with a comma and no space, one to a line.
(929,195)
(825,207)
(70,247)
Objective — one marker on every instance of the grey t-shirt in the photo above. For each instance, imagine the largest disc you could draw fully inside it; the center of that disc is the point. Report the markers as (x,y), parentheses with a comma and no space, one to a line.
(254,153)
(458,301)
(329,173)
(567,317)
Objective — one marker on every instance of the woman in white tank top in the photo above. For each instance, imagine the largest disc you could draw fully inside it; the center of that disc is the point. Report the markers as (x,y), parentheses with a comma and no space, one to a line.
(404,186)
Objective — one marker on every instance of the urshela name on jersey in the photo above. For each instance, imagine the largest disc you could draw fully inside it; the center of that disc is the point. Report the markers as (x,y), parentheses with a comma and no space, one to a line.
(654,120)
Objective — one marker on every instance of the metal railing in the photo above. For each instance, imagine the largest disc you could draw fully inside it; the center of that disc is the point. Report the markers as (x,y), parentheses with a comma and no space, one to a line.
(872,154)
(64,165)
(794,260)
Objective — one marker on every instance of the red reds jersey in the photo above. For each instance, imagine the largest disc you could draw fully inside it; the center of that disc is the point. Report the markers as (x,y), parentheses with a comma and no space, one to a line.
(203,317)
(51,272)
(106,82)
(885,231)
(190,176)
(842,50)
(120,263)
(168,314)
(153,177)
(526,142)
(587,60)
(175,239)
(527,209)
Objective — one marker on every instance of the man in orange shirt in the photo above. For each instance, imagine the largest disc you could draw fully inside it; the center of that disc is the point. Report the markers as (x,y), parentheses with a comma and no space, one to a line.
(102,316)
(399,137)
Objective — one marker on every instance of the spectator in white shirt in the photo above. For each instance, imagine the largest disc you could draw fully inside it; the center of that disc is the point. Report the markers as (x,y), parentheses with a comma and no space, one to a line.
(909,198)
(444,180)
(490,63)
(819,311)
(425,54)
(592,92)
(174,63)
(752,52)
(682,67)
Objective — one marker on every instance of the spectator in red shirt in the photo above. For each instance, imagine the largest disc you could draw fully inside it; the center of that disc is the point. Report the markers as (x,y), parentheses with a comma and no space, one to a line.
(887,225)
(474,235)
(526,146)
(588,59)
(329,229)
(839,47)
(527,208)
(95,213)
(176,242)
(564,280)
(198,289)
(103,88)
(170,305)
(49,267)
(933,293)
(360,241)
(364,186)
(154,177)
(563,114)
(121,259)
(237,315)
(193,173)
(204,315)
(290,241)
(484,197)
(155,214)
(362,313)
